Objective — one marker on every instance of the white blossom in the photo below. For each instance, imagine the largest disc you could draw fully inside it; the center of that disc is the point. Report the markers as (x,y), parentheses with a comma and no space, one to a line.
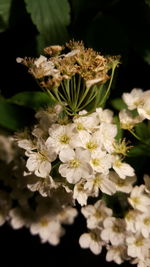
(75,164)
(122,169)
(139,199)
(133,99)
(92,241)
(114,231)
(122,185)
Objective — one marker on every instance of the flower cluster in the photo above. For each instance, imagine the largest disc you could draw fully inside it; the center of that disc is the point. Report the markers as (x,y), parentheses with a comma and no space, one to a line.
(73,155)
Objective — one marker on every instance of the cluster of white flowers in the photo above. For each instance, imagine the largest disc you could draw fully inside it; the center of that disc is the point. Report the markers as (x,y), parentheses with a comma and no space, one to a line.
(138,100)
(126,238)
(81,156)
(65,160)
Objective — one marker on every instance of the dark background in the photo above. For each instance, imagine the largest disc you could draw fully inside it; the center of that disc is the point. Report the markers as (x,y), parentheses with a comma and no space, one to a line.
(111,27)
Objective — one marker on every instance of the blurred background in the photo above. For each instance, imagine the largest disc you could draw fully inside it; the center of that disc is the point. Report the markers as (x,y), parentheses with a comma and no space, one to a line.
(112,27)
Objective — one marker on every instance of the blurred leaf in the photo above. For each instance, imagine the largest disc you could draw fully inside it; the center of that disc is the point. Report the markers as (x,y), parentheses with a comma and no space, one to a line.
(119,130)
(51,18)
(34,100)
(143,131)
(14,117)
(147,2)
(107,34)
(147,56)
(5,6)
(118,104)
(139,150)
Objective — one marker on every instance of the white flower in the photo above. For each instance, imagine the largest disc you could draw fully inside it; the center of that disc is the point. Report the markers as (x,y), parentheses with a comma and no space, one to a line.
(116,253)
(44,186)
(61,136)
(40,162)
(101,161)
(75,164)
(106,134)
(114,231)
(133,99)
(48,229)
(122,169)
(89,141)
(132,218)
(19,218)
(101,182)
(80,194)
(122,185)
(143,224)
(92,241)
(104,115)
(86,122)
(67,215)
(144,111)
(127,121)
(147,183)
(138,199)
(137,245)
(95,214)
(43,67)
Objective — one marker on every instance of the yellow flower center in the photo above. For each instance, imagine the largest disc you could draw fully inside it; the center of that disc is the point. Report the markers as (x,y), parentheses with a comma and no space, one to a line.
(64,139)
(44,222)
(147,221)
(96,162)
(139,242)
(74,163)
(91,145)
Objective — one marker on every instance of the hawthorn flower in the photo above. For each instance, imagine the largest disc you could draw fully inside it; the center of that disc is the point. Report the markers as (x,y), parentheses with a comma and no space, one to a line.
(92,241)
(116,253)
(143,224)
(132,218)
(86,122)
(40,162)
(48,228)
(139,199)
(127,121)
(147,183)
(114,231)
(122,185)
(122,169)
(137,245)
(106,134)
(80,193)
(75,164)
(104,115)
(61,137)
(95,214)
(144,111)
(101,161)
(100,182)
(134,99)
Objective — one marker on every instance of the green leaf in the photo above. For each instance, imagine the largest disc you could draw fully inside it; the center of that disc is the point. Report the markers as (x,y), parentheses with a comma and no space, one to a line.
(33,100)
(119,130)
(143,131)
(14,117)
(118,104)
(139,150)
(51,18)
(5,6)
(147,2)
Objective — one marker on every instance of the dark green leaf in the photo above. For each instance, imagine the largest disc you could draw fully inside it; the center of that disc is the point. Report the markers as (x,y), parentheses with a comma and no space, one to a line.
(147,2)
(51,18)
(118,104)
(119,130)
(143,131)
(5,6)
(34,100)
(139,150)
(14,117)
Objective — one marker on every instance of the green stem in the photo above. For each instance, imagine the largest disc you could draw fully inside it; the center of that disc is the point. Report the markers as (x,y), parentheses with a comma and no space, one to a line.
(109,86)
(136,136)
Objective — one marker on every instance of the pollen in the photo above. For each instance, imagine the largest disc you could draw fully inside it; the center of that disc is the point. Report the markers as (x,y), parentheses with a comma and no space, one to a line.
(64,139)
(74,163)
(96,162)
(91,145)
